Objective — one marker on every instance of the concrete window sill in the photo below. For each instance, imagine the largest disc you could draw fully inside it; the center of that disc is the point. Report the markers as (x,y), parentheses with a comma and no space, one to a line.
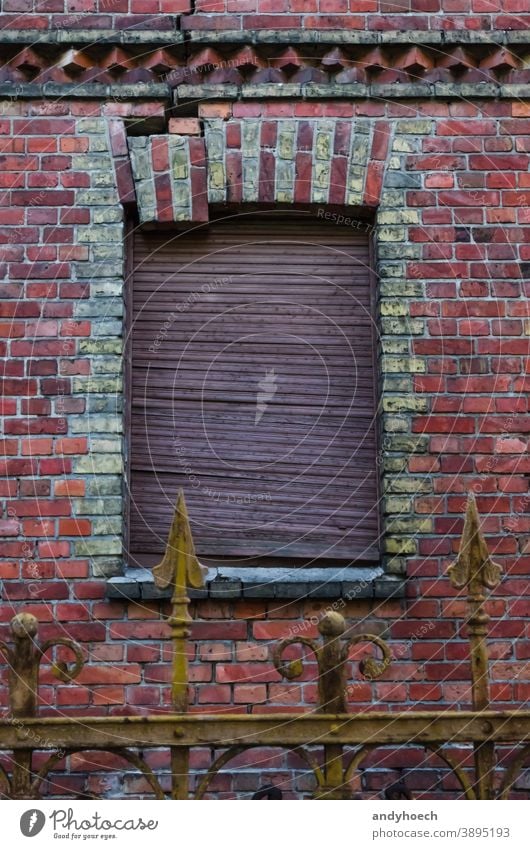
(348,583)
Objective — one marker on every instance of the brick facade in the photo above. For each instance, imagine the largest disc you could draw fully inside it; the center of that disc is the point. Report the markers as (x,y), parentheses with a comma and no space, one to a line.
(442,185)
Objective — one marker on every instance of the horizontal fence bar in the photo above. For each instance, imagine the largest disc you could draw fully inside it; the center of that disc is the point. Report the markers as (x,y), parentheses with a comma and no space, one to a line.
(412,727)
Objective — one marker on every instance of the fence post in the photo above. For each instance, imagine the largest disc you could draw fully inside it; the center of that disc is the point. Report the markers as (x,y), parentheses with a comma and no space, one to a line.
(180,569)
(23,683)
(475,571)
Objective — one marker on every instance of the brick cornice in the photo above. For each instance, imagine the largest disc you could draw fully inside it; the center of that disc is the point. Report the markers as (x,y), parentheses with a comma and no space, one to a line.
(233,65)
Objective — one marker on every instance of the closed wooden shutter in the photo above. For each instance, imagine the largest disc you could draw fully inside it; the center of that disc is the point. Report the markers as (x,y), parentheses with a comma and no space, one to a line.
(253,389)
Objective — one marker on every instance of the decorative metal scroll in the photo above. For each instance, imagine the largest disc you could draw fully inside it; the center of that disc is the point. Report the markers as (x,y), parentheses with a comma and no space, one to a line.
(331,742)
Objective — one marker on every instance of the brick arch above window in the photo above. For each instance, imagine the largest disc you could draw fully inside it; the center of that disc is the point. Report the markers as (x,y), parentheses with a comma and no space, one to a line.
(279,160)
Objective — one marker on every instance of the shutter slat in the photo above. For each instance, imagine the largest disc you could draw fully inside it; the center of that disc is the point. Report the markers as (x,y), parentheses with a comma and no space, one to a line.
(220,308)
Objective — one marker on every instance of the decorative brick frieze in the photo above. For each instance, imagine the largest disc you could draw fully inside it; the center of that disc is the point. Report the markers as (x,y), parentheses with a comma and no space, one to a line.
(337,64)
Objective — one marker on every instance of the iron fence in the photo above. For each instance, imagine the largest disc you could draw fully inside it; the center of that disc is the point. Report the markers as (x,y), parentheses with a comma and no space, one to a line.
(331,742)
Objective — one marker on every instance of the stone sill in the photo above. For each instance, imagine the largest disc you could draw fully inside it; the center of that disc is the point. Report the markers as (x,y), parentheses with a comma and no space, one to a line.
(69,36)
(269,583)
(306,91)
(347,91)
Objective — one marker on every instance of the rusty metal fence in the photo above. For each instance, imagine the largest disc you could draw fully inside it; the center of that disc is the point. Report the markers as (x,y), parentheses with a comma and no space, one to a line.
(331,742)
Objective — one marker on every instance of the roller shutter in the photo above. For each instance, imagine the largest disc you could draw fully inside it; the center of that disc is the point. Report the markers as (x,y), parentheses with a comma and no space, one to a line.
(252,387)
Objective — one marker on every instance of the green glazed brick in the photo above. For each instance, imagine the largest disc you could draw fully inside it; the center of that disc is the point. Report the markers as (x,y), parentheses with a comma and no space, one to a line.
(250,176)
(408,484)
(94,270)
(215,144)
(394,465)
(250,138)
(107,525)
(181,192)
(414,126)
(140,160)
(106,288)
(323,144)
(321,174)
(97,144)
(145,193)
(91,126)
(216,175)
(395,424)
(106,567)
(414,404)
(107,328)
(401,288)
(97,385)
(396,565)
(284,182)
(99,308)
(98,197)
(107,216)
(97,506)
(102,485)
(402,326)
(103,404)
(106,445)
(95,424)
(390,250)
(392,345)
(101,464)
(403,364)
(407,444)
(399,216)
(405,145)
(397,383)
(392,198)
(97,546)
(397,504)
(101,179)
(360,148)
(391,270)
(100,233)
(286,140)
(179,163)
(410,525)
(394,307)
(397,545)
(111,252)
(107,365)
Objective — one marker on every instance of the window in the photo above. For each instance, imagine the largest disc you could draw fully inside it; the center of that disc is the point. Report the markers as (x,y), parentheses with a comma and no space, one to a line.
(252,388)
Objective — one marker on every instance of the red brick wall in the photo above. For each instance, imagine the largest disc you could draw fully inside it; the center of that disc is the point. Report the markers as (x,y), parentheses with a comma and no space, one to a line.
(471,331)
(453,256)
(268,14)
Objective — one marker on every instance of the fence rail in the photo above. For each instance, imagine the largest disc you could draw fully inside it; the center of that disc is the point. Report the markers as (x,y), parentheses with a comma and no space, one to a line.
(331,742)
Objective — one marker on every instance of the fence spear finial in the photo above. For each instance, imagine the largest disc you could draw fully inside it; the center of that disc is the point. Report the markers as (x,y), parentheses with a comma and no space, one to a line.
(180,569)
(473,567)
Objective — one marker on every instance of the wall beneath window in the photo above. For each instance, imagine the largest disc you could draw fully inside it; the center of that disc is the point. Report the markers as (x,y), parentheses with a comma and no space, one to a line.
(450,210)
